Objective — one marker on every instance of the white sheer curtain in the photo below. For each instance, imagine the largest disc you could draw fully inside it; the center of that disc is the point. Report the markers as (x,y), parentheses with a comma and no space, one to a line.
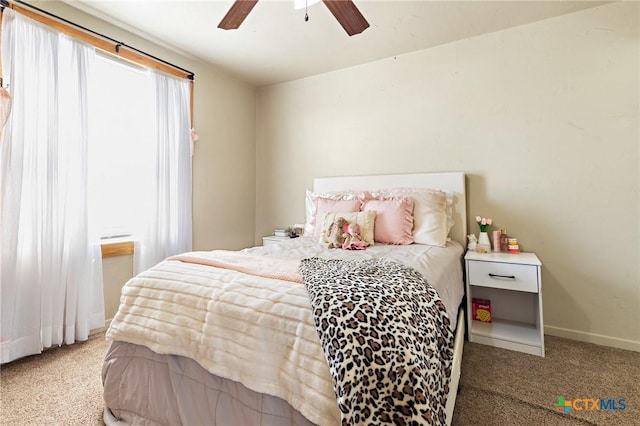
(50,268)
(167,219)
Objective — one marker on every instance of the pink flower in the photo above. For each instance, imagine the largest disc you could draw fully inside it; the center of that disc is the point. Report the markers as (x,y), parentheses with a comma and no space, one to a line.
(483,223)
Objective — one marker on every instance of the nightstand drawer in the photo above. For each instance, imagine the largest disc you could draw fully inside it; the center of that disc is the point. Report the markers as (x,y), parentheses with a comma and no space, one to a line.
(506,276)
(272,240)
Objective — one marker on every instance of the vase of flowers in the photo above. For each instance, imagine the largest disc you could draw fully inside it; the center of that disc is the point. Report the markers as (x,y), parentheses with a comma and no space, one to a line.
(484,244)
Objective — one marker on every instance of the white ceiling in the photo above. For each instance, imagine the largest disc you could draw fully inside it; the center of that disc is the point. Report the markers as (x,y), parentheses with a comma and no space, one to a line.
(275,44)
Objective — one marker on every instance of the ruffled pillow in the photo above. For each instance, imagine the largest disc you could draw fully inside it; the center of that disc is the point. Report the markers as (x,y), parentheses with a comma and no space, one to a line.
(326,205)
(432,213)
(311,207)
(394,220)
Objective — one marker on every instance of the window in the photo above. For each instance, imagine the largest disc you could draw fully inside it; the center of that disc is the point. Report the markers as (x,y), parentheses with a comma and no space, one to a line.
(120,103)
(121,112)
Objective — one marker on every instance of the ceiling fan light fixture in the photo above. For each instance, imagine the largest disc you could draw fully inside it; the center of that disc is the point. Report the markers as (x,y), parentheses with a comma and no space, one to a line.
(345,12)
(302,4)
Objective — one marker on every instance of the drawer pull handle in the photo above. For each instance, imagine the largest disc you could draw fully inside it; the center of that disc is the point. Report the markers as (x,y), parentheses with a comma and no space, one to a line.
(509,277)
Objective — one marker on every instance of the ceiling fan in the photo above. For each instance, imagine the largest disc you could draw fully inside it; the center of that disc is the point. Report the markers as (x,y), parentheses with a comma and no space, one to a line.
(345,11)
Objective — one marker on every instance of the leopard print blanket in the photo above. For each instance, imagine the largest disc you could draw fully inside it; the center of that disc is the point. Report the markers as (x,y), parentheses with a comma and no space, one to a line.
(387,340)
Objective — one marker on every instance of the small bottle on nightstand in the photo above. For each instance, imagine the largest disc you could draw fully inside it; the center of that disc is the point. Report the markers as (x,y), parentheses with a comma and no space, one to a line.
(504,241)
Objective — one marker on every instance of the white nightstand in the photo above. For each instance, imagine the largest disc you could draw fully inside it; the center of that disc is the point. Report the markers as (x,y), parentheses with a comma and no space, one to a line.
(513,284)
(272,239)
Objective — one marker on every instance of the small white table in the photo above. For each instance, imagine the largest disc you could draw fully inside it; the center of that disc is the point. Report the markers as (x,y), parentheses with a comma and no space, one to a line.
(272,239)
(513,284)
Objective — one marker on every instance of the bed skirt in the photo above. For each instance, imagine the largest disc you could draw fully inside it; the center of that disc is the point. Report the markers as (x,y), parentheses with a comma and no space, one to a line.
(143,387)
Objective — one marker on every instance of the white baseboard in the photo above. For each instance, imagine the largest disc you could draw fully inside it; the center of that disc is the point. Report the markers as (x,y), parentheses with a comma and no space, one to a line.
(597,339)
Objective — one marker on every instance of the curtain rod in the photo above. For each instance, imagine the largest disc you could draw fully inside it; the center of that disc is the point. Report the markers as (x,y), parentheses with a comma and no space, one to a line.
(118,44)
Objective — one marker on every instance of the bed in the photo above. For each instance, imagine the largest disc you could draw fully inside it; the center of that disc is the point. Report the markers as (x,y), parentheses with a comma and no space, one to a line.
(232,339)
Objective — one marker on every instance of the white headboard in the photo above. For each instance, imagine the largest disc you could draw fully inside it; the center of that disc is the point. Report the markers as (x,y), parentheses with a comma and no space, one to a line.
(450,182)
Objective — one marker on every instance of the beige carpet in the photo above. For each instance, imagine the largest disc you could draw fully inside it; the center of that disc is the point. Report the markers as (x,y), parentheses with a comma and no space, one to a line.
(498,387)
(62,386)
(501,387)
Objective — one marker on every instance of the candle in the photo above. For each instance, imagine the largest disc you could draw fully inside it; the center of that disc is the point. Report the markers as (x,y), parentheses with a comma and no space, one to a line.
(497,236)
(513,245)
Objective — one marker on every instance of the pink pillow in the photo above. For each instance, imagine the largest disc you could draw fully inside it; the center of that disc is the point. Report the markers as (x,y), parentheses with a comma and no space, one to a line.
(328,205)
(432,213)
(311,205)
(394,220)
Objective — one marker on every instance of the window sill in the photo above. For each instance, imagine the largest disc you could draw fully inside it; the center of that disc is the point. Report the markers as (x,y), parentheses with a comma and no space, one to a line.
(116,247)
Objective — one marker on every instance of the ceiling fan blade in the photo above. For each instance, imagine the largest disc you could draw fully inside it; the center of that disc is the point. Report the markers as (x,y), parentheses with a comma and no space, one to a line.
(347,15)
(238,12)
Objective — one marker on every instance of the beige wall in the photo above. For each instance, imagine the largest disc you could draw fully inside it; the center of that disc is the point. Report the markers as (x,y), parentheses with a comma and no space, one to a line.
(543,118)
(224,159)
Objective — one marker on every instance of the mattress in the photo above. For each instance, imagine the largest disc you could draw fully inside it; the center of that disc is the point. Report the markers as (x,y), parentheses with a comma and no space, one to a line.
(147,384)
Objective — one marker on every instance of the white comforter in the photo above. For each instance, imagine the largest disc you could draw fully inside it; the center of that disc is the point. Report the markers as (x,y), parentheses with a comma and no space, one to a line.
(254,330)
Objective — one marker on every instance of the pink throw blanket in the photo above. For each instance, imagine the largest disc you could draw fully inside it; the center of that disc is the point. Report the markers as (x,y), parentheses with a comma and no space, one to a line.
(262,266)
